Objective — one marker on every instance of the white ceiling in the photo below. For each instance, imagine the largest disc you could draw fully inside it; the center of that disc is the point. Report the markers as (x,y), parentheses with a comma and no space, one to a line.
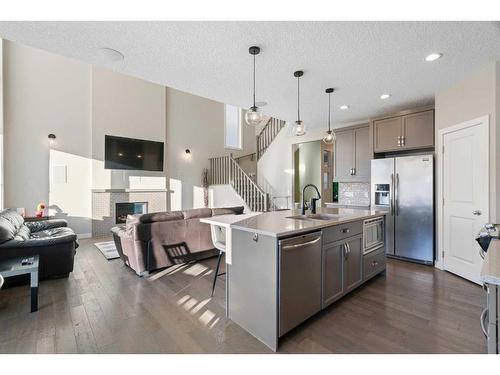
(361,60)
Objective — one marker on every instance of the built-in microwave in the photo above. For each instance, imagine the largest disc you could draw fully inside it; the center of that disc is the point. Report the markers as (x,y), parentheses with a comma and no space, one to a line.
(373,234)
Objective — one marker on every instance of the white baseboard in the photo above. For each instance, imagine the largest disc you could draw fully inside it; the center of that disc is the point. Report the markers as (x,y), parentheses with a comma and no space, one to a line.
(84,235)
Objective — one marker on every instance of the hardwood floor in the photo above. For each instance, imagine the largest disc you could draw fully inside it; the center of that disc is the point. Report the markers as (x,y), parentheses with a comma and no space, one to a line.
(105,308)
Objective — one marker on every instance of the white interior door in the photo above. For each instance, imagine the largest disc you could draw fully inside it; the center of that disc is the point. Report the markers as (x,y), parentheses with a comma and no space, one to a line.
(465,193)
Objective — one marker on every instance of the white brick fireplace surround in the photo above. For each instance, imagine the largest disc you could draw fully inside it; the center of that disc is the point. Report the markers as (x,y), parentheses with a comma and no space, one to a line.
(104,204)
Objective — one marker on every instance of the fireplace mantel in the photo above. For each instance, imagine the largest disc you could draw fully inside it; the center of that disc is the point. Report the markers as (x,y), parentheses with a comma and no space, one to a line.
(132,191)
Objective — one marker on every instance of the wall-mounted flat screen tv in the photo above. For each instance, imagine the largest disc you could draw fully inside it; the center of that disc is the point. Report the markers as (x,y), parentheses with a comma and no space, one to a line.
(133,154)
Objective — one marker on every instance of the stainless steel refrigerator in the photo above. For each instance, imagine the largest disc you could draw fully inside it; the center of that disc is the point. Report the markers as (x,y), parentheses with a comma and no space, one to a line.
(404,186)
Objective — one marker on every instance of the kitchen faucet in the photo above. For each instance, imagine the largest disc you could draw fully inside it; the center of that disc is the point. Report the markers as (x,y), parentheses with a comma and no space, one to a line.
(313,200)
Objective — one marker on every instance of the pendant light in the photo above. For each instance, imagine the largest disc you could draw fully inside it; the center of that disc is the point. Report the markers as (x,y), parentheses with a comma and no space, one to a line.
(299,127)
(253,115)
(330,135)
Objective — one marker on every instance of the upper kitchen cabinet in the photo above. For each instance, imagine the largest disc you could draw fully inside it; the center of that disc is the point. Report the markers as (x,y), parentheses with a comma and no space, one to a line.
(352,154)
(418,130)
(408,131)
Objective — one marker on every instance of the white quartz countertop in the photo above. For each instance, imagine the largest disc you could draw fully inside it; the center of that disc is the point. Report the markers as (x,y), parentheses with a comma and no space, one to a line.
(225,221)
(490,272)
(278,223)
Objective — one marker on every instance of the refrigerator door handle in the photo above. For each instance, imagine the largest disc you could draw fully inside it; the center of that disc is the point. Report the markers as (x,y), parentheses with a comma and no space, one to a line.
(397,194)
(391,202)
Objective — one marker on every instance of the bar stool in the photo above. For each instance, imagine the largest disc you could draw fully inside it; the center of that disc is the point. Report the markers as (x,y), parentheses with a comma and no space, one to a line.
(219,240)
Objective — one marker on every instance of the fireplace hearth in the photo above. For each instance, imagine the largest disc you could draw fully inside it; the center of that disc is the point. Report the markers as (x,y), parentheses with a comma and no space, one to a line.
(123,209)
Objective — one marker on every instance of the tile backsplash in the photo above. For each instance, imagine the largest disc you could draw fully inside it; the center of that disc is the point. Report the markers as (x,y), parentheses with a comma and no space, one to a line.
(354,193)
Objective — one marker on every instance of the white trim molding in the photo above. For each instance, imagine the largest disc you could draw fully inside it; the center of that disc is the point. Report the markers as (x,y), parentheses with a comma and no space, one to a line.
(439,202)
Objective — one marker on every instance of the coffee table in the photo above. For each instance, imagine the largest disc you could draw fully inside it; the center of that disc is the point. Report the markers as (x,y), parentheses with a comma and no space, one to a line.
(14,267)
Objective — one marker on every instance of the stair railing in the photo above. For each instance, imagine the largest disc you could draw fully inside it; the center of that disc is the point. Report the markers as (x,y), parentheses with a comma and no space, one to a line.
(267,135)
(225,170)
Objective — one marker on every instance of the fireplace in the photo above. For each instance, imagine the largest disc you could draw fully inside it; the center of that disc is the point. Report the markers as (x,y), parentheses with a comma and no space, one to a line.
(122,210)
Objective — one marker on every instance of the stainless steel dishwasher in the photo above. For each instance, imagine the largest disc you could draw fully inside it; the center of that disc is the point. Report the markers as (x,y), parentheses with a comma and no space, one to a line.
(299,279)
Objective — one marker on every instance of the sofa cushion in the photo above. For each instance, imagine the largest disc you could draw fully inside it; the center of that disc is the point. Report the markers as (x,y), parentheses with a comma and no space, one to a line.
(197,213)
(14,217)
(53,233)
(7,230)
(160,216)
(23,233)
(238,210)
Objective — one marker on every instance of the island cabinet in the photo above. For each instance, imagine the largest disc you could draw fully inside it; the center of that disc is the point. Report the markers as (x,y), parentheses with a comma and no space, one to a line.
(410,131)
(279,277)
(352,155)
(342,261)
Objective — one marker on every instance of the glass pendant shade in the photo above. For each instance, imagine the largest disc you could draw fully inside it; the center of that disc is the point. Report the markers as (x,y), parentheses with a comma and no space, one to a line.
(253,116)
(329,137)
(299,128)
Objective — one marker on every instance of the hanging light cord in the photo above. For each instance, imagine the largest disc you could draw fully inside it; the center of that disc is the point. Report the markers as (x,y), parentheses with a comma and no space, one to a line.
(298,98)
(254,81)
(329,99)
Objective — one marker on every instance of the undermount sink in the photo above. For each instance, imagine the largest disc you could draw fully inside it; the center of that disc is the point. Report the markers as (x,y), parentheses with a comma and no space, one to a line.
(314,217)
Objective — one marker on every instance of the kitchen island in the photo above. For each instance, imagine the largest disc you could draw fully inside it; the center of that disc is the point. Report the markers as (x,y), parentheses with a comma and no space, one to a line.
(490,277)
(286,267)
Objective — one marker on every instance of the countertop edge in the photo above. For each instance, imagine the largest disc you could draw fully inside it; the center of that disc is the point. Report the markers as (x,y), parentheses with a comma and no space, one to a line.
(320,225)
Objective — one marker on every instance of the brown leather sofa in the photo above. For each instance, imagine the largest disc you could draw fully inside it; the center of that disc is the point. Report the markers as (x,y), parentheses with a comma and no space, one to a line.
(157,240)
(50,239)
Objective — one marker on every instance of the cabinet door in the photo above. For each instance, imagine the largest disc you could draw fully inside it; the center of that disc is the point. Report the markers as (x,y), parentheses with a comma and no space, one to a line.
(386,133)
(353,264)
(418,130)
(344,155)
(333,259)
(362,154)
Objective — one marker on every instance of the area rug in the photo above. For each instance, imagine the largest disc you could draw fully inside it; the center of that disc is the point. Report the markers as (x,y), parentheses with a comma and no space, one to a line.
(108,249)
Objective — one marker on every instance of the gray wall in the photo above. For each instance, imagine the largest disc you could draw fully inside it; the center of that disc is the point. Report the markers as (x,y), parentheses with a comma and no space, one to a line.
(128,107)
(195,123)
(46,93)
(1,127)
(473,97)
(43,93)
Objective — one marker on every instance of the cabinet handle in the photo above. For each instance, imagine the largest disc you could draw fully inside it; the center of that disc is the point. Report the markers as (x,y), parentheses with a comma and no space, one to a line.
(348,250)
(399,141)
(403,140)
(484,315)
(346,230)
(354,171)
(374,263)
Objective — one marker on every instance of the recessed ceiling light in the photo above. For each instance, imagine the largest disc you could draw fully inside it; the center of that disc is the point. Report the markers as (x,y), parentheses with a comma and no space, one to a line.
(106,55)
(433,57)
(344,107)
(385,96)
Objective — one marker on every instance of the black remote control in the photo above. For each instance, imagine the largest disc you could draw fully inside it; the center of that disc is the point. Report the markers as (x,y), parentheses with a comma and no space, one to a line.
(27,261)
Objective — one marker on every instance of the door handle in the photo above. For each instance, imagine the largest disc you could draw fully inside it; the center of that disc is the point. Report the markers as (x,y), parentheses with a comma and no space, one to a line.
(397,194)
(391,203)
(476,212)
(301,244)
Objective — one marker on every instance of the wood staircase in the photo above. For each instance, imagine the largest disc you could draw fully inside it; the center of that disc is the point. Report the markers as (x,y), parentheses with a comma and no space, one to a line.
(225,170)
(267,135)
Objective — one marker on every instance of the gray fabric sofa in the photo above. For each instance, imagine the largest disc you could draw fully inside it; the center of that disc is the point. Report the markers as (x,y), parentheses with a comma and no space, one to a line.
(157,240)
